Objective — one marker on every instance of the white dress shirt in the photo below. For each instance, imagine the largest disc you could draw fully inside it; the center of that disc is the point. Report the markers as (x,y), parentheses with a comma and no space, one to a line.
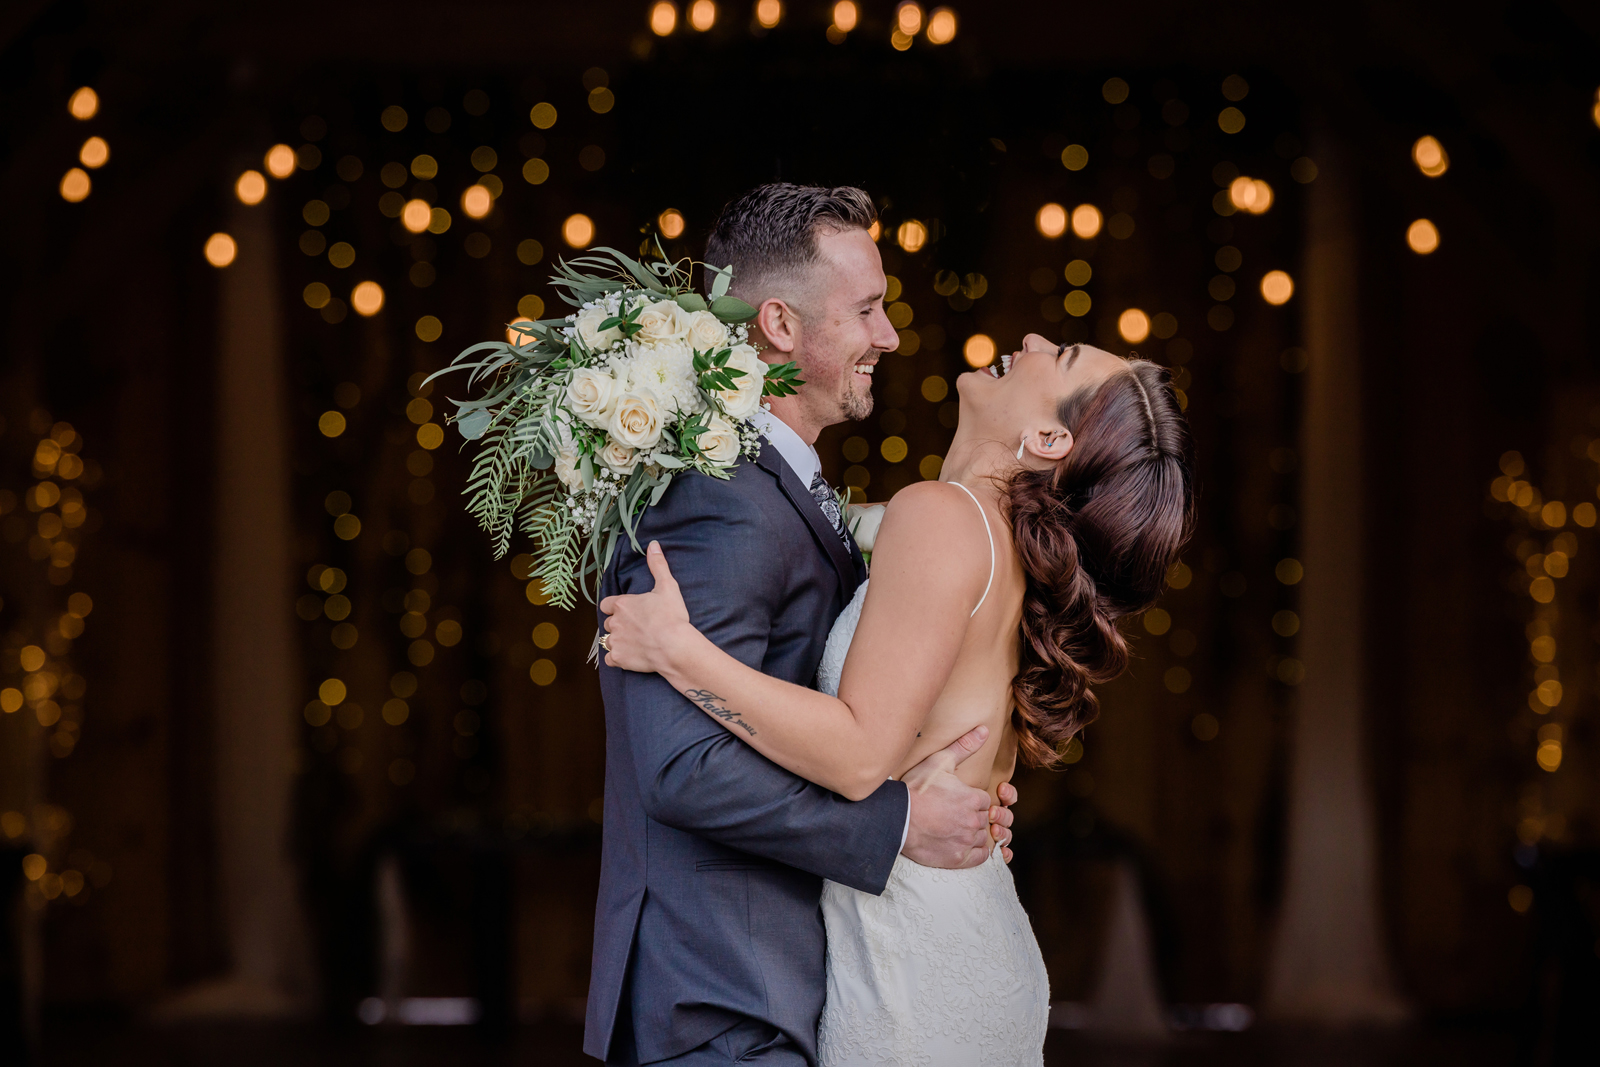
(804,461)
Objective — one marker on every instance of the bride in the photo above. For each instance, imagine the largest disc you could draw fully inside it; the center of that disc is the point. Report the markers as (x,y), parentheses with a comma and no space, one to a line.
(995,599)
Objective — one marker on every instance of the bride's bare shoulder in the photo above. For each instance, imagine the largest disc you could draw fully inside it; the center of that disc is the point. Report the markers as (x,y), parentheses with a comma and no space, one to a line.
(934,521)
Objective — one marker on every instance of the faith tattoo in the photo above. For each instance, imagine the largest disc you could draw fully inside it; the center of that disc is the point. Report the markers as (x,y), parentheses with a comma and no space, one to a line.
(708,700)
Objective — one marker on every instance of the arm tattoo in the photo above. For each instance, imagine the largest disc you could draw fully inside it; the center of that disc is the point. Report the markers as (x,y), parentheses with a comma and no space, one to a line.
(707,700)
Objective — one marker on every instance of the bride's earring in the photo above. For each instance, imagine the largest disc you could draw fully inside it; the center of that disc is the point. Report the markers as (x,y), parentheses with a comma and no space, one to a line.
(1022,446)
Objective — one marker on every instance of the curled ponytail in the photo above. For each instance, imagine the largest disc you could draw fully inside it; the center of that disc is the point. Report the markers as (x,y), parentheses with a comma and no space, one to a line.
(1096,535)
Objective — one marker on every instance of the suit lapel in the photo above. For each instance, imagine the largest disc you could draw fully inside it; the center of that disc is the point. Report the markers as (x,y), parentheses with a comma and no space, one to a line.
(846,561)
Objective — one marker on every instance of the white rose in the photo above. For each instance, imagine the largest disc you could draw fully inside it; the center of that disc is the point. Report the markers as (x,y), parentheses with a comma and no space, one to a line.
(590,394)
(663,320)
(706,332)
(636,420)
(619,457)
(742,400)
(589,331)
(720,441)
(863,521)
(567,469)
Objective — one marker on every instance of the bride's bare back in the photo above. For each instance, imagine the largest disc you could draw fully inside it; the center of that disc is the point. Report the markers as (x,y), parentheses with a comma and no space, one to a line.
(978,689)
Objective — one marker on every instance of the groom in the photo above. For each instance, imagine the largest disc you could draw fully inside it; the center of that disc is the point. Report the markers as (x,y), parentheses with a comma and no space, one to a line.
(708,945)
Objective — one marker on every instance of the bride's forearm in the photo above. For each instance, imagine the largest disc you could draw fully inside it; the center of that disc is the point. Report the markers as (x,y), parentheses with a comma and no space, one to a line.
(818,737)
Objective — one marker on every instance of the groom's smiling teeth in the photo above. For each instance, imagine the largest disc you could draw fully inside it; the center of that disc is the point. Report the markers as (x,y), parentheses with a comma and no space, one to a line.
(865,368)
(1001,369)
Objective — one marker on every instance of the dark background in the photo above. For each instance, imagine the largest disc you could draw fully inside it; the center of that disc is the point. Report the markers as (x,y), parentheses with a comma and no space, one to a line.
(1489,345)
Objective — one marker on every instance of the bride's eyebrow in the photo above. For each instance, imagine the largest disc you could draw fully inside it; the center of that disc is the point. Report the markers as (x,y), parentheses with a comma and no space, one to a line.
(1072,357)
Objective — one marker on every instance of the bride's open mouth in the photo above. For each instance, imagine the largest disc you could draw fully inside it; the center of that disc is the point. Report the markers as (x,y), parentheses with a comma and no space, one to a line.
(1001,368)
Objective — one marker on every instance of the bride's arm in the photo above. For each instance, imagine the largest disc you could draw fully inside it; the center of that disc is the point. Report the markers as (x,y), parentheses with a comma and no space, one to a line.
(928,570)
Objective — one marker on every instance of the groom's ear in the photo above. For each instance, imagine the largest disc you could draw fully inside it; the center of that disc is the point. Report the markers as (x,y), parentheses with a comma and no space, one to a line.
(778,325)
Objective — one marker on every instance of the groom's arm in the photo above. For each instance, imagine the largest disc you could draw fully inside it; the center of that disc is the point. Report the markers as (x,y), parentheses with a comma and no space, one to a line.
(696,776)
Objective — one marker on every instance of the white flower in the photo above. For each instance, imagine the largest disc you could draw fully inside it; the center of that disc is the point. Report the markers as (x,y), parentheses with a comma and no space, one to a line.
(619,457)
(706,332)
(590,394)
(720,441)
(588,326)
(742,400)
(636,419)
(666,368)
(863,521)
(663,320)
(567,468)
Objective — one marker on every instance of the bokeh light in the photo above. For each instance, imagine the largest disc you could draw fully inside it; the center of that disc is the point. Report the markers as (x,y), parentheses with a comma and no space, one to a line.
(1086,220)
(911,235)
(543,116)
(670,223)
(663,19)
(221,250)
(1051,220)
(279,161)
(769,13)
(703,14)
(84,104)
(979,350)
(1133,325)
(845,15)
(367,299)
(908,18)
(1277,287)
(251,188)
(94,153)
(1430,157)
(416,215)
(941,26)
(1423,237)
(75,185)
(1074,156)
(476,201)
(1250,194)
(578,231)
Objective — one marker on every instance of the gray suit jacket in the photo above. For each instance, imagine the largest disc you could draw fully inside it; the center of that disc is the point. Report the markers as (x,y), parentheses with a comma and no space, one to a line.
(713,857)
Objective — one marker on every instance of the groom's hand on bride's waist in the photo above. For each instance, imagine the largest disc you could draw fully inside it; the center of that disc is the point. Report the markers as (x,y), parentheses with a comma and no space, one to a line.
(952,823)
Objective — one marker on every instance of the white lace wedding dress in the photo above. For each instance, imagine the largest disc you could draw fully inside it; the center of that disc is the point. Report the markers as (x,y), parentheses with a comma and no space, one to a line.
(942,970)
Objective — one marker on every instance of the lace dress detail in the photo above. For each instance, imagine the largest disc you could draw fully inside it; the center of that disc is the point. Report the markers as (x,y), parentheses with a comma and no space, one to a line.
(942,970)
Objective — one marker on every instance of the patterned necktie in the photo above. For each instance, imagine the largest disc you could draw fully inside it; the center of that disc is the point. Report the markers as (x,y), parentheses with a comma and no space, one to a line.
(829,503)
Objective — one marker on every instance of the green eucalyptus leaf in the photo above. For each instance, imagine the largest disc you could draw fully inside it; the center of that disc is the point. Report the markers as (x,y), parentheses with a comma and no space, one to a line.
(473,424)
(691,301)
(720,282)
(732,309)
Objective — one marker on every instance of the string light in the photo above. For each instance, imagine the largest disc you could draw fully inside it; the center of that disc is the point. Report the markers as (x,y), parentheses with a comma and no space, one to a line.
(941,26)
(1051,220)
(911,235)
(416,215)
(251,188)
(908,18)
(279,161)
(663,18)
(1086,220)
(1134,325)
(221,250)
(75,185)
(84,104)
(670,223)
(476,201)
(94,153)
(702,15)
(1430,157)
(979,350)
(578,231)
(367,299)
(769,13)
(845,16)
(1423,237)
(1277,287)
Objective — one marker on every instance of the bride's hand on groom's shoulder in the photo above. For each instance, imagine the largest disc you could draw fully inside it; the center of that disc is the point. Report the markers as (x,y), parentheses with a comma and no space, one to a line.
(643,630)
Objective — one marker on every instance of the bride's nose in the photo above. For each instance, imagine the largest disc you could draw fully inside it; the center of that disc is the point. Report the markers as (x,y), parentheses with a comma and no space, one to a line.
(1035,342)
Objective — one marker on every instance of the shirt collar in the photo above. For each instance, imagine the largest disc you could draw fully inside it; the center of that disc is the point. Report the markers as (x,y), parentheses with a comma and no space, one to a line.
(801,457)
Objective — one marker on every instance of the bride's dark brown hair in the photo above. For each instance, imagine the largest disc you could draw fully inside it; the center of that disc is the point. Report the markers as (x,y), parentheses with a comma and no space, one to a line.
(1096,533)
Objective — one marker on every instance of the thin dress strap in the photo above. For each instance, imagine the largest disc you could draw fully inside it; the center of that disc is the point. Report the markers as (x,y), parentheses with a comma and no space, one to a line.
(990,534)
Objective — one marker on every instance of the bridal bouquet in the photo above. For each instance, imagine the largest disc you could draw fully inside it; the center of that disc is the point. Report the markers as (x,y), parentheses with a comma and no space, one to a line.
(586,419)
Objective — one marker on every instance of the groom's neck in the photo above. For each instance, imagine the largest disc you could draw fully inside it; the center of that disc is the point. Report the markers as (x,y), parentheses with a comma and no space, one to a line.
(789,411)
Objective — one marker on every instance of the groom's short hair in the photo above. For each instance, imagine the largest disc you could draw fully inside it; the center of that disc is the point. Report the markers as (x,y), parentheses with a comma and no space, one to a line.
(769,235)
